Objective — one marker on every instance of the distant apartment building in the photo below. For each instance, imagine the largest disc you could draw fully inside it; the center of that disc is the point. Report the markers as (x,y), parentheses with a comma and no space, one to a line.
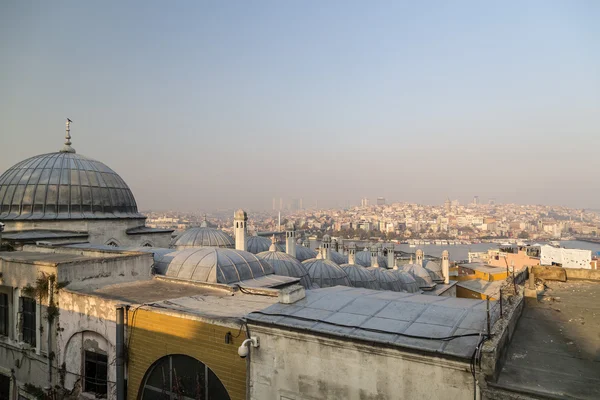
(381,201)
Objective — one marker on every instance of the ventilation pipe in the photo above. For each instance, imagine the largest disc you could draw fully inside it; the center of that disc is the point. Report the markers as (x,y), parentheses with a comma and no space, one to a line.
(290,239)
(374,260)
(419,255)
(120,352)
(240,219)
(391,255)
(446,266)
(352,253)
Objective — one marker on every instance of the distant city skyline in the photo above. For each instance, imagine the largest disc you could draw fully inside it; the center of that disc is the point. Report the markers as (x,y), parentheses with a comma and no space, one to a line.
(225,105)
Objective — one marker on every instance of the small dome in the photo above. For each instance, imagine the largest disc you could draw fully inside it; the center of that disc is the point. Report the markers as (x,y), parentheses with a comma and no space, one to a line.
(420,274)
(360,277)
(364,258)
(64,185)
(409,283)
(304,253)
(326,273)
(258,244)
(388,280)
(338,258)
(434,269)
(213,265)
(286,265)
(203,237)
(240,214)
(326,238)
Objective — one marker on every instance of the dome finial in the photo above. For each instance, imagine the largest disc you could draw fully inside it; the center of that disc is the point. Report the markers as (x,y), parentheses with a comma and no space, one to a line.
(273,244)
(67,147)
(204,223)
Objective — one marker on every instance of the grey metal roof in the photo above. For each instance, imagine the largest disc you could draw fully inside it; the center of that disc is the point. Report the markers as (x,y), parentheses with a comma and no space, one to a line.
(360,277)
(411,321)
(41,234)
(338,258)
(203,237)
(387,279)
(304,253)
(258,244)
(146,230)
(364,258)
(286,265)
(326,273)
(434,269)
(64,186)
(213,265)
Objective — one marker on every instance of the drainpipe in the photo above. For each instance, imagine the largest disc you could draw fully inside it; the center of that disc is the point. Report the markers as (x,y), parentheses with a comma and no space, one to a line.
(49,329)
(120,353)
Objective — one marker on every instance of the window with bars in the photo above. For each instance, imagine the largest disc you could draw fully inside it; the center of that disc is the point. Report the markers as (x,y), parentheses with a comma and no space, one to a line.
(28,328)
(4,313)
(95,373)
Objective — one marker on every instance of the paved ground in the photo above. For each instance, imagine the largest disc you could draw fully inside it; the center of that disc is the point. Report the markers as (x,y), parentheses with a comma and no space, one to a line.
(556,348)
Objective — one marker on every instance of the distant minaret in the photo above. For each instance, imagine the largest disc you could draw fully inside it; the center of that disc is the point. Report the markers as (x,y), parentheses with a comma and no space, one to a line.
(446,266)
(419,254)
(374,260)
(391,256)
(67,147)
(351,253)
(327,246)
(240,219)
(290,239)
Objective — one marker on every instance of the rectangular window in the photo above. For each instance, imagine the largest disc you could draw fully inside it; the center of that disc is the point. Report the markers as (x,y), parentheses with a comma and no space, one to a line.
(3,314)
(95,373)
(4,387)
(28,329)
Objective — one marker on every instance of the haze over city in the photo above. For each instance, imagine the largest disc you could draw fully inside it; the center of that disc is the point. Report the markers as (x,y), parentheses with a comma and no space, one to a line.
(211,105)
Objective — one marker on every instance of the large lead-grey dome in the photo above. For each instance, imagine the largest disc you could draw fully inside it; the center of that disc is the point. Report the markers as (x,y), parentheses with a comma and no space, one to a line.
(304,253)
(420,274)
(409,283)
(203,237)
(258,244)
(64,185)
(364,258)
(387,279)
(286,265)
(213,265)
(434,269)
(326,273)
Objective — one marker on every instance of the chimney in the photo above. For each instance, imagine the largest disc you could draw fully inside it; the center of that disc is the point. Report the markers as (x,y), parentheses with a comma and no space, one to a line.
(446,266)
(391,256)
(374,260)
(290,239)
(240,219)
(351,253)
(327,247)
(419,255)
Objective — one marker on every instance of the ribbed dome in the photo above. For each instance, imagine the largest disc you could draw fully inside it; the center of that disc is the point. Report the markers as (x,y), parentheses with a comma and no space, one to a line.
(258,244)
(364,258)
(420,274)
(304,253)
(388,280)
(286,265)
(338,258)
(434,269)
(409,283)
(64,185)
(360,277)
(203,237)
(213,265)
(326,273)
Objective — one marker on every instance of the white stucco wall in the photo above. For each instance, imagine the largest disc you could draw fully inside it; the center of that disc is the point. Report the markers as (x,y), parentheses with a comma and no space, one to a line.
(291,365)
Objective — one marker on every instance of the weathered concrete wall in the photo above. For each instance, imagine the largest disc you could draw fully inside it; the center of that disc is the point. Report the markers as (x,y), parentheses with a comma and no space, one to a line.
(126,266)
(564,274)
(86,323)
(100,231)
(294,365)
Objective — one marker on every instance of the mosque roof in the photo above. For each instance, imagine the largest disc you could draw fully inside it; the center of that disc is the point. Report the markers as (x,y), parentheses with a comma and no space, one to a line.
(304,253)
(286,265)
(360,277)
(258,244)
(420,274)
(203,237)
(326,273)
(364,258)
(387,279)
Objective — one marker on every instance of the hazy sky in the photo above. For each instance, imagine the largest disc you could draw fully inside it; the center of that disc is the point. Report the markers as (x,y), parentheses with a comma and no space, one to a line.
(200,104)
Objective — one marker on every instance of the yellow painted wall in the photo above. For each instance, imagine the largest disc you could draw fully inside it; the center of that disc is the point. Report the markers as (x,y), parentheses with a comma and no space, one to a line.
(155,335)
(465,293)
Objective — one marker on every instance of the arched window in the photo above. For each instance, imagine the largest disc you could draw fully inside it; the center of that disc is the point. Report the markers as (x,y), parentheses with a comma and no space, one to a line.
(180,377)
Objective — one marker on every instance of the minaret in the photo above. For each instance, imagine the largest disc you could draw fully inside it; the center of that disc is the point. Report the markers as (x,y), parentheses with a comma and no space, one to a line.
(391,256)
(419,255)
(446,266)
(351,253)
(327,246)
(240,219)
(67,147)
(411,259)
(374,260)
(290,239)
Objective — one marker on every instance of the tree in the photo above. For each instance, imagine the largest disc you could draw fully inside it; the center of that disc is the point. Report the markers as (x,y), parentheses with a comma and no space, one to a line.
(523,235)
